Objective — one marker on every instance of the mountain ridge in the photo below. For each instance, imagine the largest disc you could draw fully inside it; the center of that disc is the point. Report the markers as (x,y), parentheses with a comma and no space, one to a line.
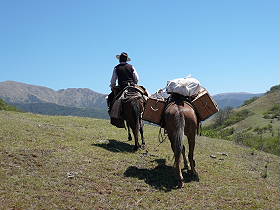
(18,92)
(25,96)
(234,99)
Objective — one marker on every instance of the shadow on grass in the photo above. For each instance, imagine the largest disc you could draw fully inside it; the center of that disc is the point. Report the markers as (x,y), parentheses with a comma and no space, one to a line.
(162,177)
(114,145)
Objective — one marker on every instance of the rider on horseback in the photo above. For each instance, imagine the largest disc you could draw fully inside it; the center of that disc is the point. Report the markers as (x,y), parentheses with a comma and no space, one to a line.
(125,74)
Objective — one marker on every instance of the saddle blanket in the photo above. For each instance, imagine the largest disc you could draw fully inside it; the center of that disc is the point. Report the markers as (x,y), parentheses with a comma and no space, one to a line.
(116,109)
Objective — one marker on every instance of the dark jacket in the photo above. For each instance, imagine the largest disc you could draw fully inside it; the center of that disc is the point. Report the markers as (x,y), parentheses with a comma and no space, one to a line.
(125,74)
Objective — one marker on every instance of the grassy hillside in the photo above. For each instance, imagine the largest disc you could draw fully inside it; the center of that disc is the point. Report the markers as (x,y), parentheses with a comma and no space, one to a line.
(51,162)
(255,124)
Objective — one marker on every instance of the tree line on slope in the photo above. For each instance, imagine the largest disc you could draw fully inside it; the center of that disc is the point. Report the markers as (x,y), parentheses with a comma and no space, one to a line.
(263,138)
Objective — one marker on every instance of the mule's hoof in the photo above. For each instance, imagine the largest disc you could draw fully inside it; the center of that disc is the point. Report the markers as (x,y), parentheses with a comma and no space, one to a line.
(143,146)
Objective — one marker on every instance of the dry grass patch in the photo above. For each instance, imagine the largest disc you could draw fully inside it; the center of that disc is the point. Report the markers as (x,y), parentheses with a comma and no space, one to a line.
(52,162)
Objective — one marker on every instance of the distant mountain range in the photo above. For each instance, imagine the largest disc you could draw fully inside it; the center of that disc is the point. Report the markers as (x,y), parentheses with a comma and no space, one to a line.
(79,101)
(43,100)
(16,92)
(233,99)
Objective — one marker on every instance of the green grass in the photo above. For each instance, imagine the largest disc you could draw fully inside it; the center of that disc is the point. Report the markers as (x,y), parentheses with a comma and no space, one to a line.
(274,112)
(54,162)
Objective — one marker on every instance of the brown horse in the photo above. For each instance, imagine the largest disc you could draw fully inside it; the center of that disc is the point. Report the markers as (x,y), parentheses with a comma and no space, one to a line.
(133,107)
(180,119)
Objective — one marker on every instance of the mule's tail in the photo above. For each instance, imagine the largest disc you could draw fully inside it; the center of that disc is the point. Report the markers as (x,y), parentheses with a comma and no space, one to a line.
(179,136)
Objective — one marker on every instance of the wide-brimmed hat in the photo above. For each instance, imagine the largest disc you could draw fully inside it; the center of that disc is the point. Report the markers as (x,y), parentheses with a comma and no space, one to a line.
(124,55)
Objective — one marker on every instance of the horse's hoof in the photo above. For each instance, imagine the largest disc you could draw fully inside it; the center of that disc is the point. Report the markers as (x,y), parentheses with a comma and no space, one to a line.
(181,184)
(185,170)
(194,176)
(135,148)
(143,146)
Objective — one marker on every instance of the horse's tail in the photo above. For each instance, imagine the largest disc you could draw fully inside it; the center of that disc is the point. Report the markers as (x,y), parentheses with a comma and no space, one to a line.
(137,109)
(179,135)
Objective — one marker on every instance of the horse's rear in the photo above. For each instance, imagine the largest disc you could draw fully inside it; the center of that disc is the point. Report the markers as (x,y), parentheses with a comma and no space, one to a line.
(133,106)
(180,119)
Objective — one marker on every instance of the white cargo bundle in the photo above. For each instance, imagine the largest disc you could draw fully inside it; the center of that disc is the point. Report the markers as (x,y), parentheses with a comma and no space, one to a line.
(184,86)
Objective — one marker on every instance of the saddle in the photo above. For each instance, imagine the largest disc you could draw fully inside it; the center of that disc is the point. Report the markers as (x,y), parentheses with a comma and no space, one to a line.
(131,91)
(125,95)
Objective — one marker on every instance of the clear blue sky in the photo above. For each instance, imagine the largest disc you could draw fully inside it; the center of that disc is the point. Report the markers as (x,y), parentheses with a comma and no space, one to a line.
(229,45)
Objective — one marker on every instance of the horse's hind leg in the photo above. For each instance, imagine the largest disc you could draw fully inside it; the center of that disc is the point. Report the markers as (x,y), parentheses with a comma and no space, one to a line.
(142,133)
(177,155)
(178,169)
(135,127)
(128,132)
(135,134)
(185,158)
(191,141)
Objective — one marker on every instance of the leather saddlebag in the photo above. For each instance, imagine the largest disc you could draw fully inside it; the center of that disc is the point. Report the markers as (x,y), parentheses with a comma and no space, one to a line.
(153,111)
(204,104)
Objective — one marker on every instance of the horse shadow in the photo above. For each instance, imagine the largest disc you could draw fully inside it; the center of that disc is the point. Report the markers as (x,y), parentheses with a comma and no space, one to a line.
(162,177)
(114,145)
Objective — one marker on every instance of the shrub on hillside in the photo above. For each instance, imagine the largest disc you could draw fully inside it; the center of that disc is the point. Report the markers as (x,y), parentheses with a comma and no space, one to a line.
(210,133)
(218,133)
(227,117)
(6,107)
(274,112)
(239,137)
(266,144)
(225,133)
(249,101)
(263,130)
(235,117)
(221,117)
